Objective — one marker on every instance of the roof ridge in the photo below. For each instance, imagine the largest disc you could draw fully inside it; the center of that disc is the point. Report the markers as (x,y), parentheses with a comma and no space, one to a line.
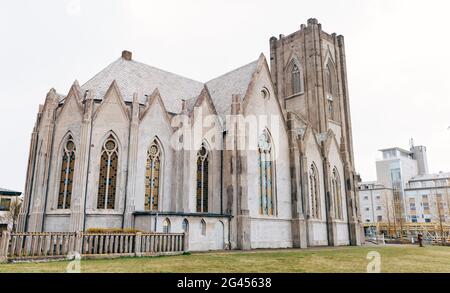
(100,72)
(234,70)
(165,71)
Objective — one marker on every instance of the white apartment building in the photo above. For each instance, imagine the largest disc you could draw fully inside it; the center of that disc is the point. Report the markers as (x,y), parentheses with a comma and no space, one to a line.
(428,198)
(404,190)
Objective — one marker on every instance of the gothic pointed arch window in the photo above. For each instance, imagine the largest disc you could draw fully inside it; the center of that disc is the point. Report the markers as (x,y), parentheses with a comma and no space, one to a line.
(153,176)
(67,171)
(336,192)
(314,192)
(185,226)
(166,226)
(296,80)
(202,179)
(108,174)
(203,227)
(266,176)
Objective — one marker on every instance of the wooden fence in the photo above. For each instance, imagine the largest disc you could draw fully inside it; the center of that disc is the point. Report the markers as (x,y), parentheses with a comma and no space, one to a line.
(36,246)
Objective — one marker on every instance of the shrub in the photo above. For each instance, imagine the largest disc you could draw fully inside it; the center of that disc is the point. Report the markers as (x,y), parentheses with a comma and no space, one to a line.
(111,231)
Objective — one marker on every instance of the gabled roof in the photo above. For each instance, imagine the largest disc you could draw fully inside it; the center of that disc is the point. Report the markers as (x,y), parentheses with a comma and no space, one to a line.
(134,77)
(8,192)
(232,83)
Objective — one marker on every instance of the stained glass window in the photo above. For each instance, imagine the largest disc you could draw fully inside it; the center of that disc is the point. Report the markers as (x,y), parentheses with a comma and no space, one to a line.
(296,81)
(152,177)
(108,175)
(67,170)
(266,175)
(314,192)
(336,191)
(202,179)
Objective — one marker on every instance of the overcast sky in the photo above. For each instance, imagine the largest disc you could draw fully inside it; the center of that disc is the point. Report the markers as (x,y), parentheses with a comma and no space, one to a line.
(397,58)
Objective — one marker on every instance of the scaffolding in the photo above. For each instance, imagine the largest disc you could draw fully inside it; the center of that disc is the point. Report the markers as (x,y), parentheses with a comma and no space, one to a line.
(433,233)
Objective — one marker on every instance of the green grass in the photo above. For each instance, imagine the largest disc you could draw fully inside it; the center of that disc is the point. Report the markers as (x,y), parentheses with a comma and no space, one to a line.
(399,259)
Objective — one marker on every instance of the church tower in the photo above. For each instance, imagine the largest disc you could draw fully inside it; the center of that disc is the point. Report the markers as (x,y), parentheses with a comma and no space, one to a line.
(309,72)
(308,69)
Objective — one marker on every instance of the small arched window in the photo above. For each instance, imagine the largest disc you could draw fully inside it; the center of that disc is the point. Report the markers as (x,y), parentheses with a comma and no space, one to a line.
(266,177)
(314,192)
(108,174)
(185,226)
(296,80)
(202,179)
(152,176)
(336,191)
(166,226)
(203,227)
(67,170)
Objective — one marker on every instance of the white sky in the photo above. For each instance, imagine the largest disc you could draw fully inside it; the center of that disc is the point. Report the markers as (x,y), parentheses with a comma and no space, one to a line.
(397,57)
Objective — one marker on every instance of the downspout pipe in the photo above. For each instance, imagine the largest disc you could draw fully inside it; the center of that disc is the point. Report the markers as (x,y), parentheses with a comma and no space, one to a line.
(221,171)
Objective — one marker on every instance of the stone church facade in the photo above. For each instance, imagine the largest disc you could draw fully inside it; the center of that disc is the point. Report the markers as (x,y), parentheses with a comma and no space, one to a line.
(108,155)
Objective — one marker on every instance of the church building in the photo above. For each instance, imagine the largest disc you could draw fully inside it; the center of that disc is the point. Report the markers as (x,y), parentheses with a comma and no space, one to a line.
(136,147)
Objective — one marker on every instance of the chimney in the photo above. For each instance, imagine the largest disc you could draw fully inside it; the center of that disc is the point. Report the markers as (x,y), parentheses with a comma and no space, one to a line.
(127,55)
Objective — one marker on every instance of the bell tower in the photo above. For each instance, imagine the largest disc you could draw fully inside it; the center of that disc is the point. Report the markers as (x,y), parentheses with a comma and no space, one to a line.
(309,72)
(308,68)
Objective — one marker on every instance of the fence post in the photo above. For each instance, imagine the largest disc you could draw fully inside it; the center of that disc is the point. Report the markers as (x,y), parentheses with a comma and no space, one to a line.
(138,244)
(4,246)
(78,242)
(186,242)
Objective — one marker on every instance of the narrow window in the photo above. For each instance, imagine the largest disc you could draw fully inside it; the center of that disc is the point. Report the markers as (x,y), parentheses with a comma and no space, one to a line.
(330,108)
(152,177)
(108,175)
(296,80)
(203,227)
(67,170)
(329,77)
(314,192)
(336,191)
(265,163)
(202,180)
(166,226)
(185,226)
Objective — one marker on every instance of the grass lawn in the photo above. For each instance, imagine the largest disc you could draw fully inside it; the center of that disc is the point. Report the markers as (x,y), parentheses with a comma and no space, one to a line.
(345,259)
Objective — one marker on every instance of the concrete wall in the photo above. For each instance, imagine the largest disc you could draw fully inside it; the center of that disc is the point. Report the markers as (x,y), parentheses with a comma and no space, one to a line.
(269,231)
(216,237)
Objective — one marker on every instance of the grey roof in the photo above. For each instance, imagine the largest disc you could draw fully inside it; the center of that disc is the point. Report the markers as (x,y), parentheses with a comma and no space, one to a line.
(4,191)
(134,77)
(235,82)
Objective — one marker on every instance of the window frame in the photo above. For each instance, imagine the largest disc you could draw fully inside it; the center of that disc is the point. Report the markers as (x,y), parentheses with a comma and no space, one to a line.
(108,177)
